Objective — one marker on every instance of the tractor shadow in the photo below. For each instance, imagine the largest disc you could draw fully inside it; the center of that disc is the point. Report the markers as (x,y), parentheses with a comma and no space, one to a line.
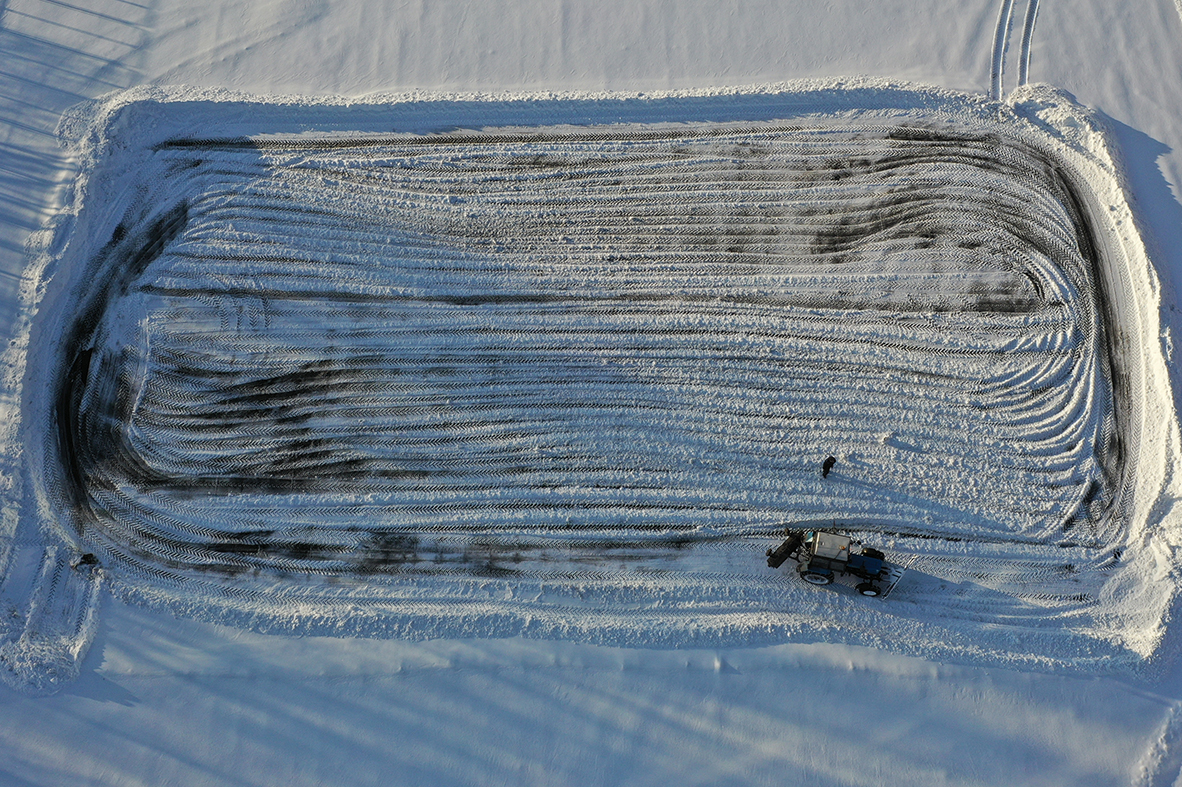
(1043,599)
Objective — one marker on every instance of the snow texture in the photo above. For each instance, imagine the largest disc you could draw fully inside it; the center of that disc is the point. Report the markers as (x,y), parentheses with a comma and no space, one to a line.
(564,368)
(506,648)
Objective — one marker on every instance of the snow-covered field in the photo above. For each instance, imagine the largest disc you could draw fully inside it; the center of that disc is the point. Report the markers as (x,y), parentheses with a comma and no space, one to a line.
(362,436)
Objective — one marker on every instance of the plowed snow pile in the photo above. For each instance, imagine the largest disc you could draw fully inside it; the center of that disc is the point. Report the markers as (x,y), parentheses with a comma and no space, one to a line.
(567,367)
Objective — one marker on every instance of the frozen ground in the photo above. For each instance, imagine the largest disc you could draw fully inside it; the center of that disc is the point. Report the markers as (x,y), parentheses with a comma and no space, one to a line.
(1030,581)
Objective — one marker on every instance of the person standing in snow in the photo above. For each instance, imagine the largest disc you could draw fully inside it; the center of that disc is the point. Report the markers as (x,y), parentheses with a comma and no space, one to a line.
(827,465)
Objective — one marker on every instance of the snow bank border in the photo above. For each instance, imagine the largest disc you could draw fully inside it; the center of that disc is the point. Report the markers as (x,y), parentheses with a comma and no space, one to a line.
(1149,588)
(1139,596)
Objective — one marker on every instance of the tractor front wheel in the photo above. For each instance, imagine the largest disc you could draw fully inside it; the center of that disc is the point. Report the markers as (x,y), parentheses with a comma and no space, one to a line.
(868,589)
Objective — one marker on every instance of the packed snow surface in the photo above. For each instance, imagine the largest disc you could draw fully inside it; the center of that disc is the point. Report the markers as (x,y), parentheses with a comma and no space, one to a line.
(236,688)
(567,367)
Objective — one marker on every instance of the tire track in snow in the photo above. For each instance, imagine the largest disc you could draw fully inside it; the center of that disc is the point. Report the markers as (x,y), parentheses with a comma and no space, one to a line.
(1000,44)
(1027,37)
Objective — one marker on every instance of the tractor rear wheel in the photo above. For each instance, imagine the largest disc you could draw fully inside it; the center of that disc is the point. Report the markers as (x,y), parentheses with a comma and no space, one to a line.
(816,577)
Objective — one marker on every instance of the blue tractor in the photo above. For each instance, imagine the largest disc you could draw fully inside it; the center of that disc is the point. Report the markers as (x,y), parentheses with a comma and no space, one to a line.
(821,556)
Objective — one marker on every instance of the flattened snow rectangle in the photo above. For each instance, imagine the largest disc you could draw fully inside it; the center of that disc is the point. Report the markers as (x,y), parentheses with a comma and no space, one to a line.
(479,378)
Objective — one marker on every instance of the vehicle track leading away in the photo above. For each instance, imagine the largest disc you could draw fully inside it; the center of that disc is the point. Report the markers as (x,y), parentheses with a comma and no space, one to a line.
(1001,43)
(1027,37)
